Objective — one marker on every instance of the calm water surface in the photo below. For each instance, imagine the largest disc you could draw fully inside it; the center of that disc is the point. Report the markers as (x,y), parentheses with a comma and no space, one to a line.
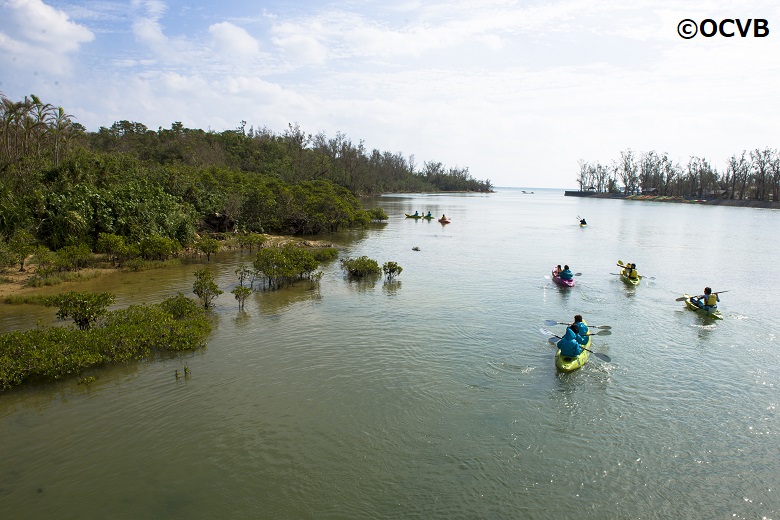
(436,396)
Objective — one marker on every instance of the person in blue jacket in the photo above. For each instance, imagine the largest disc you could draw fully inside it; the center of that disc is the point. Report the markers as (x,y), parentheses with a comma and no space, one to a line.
(582,329)
(566,274)
(569,344)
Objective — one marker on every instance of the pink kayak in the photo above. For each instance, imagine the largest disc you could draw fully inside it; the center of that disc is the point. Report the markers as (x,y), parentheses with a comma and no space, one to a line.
(560,281)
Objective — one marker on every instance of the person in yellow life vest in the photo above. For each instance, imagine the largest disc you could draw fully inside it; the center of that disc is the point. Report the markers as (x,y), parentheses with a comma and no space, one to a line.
(630,271)
(709,300)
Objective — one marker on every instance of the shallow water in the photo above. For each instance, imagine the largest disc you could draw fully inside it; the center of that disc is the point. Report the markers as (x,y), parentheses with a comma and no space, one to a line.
(436,396)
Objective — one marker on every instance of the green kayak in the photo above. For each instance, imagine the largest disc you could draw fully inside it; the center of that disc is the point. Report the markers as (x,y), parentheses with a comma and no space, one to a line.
(628,279)
(570,364)
(713,313)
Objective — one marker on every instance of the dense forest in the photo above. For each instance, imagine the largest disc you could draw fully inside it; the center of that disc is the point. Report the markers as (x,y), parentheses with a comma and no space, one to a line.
(63,186)
(749,175)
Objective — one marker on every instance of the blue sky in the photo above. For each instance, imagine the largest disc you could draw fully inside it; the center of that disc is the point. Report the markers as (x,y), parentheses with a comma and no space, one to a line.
(517,91)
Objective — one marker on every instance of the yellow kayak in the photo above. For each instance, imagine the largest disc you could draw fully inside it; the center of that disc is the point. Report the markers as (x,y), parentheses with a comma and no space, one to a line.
(628,279)
(713,313)
(570,364)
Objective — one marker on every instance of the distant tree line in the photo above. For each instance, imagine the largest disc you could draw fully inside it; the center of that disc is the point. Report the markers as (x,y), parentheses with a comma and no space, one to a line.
(749,175)
(61,185)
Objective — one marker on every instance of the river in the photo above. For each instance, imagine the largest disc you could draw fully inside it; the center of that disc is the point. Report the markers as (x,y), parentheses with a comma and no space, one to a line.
(436,396)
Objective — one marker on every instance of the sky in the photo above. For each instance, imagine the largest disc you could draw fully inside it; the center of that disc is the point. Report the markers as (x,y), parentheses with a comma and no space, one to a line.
(518,92)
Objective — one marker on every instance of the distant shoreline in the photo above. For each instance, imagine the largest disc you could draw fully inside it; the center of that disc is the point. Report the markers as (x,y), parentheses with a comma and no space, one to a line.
(679,200)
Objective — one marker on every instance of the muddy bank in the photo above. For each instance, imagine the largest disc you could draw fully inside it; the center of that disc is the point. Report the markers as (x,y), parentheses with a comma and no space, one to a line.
(681,200)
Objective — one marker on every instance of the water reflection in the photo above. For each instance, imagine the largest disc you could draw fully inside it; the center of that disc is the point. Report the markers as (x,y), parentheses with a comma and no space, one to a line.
(391,287)
(362,285)
(277,301)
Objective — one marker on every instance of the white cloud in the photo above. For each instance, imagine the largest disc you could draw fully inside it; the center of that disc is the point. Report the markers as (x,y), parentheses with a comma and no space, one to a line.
(301,44)
(233,40)
(36,35)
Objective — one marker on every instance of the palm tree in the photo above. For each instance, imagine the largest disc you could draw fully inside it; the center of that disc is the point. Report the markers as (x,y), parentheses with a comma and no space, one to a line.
(62,131)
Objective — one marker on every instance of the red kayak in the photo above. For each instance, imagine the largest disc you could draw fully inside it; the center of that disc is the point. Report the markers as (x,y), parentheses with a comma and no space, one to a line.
(560,281)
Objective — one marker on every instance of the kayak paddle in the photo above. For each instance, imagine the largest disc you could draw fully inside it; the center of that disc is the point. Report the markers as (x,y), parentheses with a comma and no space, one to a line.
(546,332)
(683,298)
(550,323)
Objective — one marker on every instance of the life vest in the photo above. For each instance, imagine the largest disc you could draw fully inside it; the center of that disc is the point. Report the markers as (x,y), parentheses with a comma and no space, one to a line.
(711,300)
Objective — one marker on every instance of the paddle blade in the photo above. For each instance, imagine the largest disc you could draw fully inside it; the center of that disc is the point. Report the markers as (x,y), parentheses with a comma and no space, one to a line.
(553,340)
(605,327)
(602,356)
(620,262)
(680,299)
(545,332)
(550,323)
(577,274)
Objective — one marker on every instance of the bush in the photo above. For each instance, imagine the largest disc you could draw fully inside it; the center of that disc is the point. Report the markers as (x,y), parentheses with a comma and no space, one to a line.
(251,240)
(136,332)
(7,257)
(112,245)
(391,269)
(84,308)
(360,267)
(324,254)
(159,248)
(208,246)
(73,257)
(205,287)
(241,293)
(377,214)
(287,264)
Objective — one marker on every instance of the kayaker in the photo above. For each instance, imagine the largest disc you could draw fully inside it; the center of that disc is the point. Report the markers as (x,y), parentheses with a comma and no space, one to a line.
(416,214)
(708,300)
(429,215)
(566,274)
(630,271)
(583,223)
(443,217)
(570,342)
(582,328)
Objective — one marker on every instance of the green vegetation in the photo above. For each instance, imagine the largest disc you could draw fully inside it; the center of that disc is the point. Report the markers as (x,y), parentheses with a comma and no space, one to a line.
(241,293)
(133,193)
(85,308)
(360,267)
(251,240)
(377,214)
(205,287)
(137,332)
(325,254)
(208,246)
(279,266)
(391,270)
(750,175)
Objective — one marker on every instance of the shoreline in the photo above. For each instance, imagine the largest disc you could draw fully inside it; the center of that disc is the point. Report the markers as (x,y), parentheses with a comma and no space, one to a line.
(15,281)
(761,204)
